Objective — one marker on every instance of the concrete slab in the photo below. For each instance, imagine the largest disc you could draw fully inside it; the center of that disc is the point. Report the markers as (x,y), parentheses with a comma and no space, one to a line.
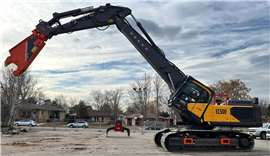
(91,142)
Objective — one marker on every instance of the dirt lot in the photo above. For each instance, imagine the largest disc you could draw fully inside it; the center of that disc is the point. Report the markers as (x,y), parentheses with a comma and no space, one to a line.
(91,142)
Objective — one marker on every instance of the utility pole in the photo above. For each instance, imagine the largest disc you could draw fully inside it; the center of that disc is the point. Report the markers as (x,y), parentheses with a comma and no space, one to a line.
(157,109)
(143,103)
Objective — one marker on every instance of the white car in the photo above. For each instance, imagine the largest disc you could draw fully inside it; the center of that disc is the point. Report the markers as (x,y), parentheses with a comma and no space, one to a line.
(268,134)
(259,131)
(82,124)
(30,123)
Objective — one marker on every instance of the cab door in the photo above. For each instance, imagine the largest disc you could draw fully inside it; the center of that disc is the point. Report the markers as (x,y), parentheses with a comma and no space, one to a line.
(196,97)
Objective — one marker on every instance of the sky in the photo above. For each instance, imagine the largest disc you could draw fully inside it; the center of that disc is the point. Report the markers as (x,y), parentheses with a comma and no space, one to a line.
(209,40)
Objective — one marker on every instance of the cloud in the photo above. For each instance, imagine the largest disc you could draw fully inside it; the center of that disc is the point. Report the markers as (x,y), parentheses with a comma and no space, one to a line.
(94,47)
(260,62)
(188,34)
(167,31)
(76,40)
(210,41)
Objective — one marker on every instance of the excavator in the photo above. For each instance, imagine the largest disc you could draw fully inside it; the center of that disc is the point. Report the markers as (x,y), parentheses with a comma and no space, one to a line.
(190,100)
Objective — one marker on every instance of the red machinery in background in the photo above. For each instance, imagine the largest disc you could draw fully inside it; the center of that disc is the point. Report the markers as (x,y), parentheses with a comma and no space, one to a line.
(118,128)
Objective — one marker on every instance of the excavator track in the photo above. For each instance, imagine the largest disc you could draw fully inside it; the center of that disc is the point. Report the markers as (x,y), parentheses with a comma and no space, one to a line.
(206,140)
(157,136)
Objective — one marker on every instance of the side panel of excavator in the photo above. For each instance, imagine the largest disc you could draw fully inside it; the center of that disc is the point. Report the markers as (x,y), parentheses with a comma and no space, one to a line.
(227,115)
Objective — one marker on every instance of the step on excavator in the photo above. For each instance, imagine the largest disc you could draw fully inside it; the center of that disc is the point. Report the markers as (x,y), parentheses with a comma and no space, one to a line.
(190,99)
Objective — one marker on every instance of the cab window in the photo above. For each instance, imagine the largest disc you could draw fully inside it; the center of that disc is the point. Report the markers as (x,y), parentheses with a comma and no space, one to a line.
(194,94)
(203,97)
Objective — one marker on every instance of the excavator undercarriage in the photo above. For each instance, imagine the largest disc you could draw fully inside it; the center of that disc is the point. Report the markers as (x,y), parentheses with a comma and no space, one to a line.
(177,140)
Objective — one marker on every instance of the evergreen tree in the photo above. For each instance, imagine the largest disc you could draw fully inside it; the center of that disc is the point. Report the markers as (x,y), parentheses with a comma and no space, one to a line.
(82,110)
(164,114)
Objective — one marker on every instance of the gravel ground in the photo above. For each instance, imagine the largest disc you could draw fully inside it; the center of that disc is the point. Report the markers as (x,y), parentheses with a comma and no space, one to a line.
(92,142)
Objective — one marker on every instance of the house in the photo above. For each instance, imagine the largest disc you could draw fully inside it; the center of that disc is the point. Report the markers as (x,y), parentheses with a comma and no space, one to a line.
(95,117)
(40,113)
(150,120)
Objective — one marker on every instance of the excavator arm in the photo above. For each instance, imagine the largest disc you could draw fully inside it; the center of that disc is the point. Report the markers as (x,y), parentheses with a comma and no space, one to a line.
(25,52)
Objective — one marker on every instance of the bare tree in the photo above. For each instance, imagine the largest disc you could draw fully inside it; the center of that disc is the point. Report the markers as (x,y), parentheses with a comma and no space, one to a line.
(107,101)
(158,88)
(97,99)
(107,97)
(62,102)
(136,99)
(5,109)
(106,106)
(41,97)
(107,109)
(265,111)
(164,104)
(72,101)
(130,110)
(116,95)
(15,90)
(141,93)
(60,99)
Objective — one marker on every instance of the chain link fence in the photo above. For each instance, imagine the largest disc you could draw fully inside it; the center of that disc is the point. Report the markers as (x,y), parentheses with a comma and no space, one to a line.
(99,125)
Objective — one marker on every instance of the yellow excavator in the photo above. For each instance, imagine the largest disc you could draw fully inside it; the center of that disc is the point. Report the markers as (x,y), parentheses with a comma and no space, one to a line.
(190,99)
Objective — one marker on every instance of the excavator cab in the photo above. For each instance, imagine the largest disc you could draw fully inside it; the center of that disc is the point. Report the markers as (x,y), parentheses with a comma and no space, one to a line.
(195,93)
(190,100)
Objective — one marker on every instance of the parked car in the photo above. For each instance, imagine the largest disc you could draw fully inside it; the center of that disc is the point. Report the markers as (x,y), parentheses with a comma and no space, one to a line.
(259,132)
(82,124)
(155,127)
(268,134)
(30,123)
